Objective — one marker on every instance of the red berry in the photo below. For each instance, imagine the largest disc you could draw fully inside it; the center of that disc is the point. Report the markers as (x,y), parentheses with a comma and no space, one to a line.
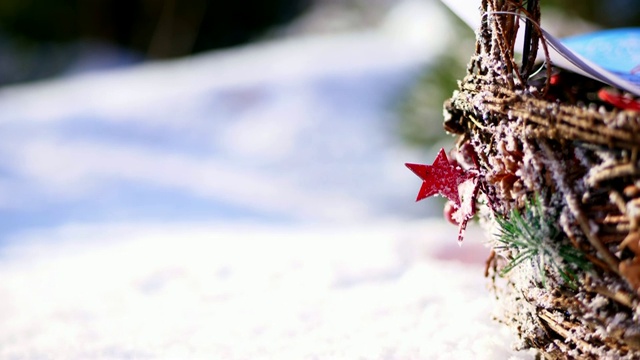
(449,210)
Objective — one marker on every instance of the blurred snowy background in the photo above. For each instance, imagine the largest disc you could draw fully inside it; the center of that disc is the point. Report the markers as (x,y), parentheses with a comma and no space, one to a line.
(212,183)
(298,129)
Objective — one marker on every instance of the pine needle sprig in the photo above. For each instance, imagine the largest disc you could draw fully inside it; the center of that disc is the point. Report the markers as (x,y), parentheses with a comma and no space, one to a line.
(533,236)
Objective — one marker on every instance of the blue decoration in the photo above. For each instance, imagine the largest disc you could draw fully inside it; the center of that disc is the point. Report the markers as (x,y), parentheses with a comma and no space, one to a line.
(617,50)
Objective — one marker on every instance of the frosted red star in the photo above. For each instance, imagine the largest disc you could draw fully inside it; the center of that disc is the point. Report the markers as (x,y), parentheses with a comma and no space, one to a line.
(442,177)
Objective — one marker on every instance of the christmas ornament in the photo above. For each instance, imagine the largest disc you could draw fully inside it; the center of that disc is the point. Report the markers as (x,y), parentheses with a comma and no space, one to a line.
(442,177)
(447,178)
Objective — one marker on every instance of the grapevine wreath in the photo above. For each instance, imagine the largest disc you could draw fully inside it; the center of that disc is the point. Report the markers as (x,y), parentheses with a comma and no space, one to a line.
(549,162)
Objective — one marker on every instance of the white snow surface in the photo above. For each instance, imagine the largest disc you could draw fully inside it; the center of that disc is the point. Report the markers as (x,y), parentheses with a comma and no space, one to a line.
(203,291)
(243,204)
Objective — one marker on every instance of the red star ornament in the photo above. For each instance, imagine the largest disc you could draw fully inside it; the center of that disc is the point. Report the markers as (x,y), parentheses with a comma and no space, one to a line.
(441,177)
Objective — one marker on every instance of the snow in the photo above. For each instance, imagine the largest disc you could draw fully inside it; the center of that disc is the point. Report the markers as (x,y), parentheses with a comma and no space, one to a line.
(220,128)
(198,290)
(243,204)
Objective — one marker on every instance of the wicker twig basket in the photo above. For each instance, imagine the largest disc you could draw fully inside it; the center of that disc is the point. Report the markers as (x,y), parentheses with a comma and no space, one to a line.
(580,160)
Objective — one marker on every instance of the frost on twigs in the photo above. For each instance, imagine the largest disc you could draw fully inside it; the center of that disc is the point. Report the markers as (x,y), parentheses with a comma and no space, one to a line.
(468,190)
(559,177)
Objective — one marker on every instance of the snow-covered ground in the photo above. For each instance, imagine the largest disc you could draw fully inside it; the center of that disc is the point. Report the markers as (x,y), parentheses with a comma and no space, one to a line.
(211,291)
(298,130)
(243,204)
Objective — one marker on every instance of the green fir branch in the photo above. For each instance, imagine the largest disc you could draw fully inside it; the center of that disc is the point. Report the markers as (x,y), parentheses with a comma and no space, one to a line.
(534,237)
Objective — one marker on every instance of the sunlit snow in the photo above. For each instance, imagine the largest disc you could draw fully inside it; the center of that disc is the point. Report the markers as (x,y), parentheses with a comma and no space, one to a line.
(250,203)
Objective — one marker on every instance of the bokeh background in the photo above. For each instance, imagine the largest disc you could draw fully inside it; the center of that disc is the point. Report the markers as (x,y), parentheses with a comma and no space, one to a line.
(40,39)
(219,179)
(65,39)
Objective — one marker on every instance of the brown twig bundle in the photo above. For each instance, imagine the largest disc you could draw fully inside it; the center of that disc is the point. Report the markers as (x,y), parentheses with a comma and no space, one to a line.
(580,161)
